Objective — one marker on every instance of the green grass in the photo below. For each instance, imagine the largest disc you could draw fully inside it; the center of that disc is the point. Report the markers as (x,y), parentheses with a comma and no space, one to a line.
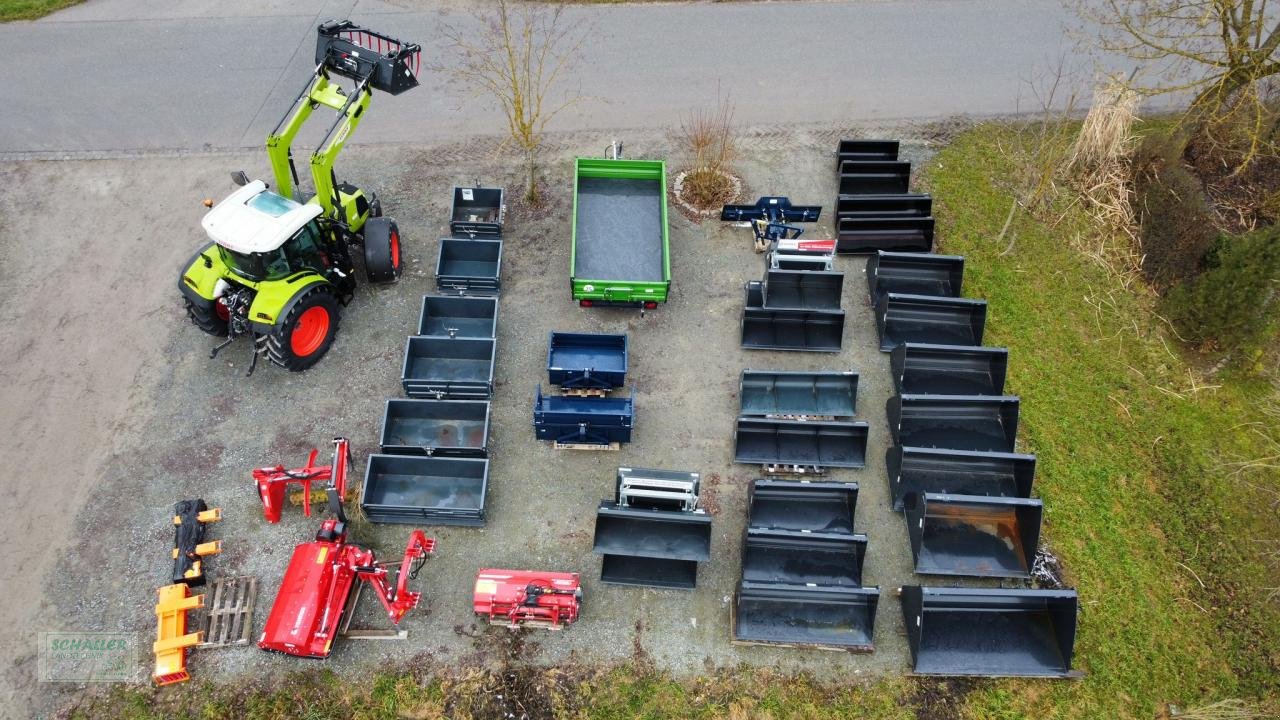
(31,9)
(1162,541)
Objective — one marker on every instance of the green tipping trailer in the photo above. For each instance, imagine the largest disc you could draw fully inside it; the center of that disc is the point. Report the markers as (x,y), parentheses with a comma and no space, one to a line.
(619,253)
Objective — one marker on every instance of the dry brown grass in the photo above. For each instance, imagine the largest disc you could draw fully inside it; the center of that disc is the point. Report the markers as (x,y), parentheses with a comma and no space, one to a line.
(707,138)
(1223,710)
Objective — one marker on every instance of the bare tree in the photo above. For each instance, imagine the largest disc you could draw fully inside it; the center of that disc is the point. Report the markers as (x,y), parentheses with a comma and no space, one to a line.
(517,55)
(1219,49)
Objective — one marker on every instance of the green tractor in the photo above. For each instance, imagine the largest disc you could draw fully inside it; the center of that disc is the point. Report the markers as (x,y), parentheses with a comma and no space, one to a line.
(280,263)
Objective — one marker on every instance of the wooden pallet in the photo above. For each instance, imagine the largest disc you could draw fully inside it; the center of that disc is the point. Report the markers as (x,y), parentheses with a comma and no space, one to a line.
(229,615)
(770,469)
(802,418)
(586,446)
(584,392)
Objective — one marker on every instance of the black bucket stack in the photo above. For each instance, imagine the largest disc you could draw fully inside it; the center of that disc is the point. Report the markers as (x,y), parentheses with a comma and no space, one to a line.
(434,465)
(801,583)
(964,491)
(794,310)
(652,533)
(874,208)
(799,422)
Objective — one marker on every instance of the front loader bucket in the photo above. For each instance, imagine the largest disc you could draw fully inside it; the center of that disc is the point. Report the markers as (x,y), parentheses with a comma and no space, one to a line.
(923,369)
(857,235)
(914,274)
(990,632)
(874,177)
(866,150)
(911,205)
(803,330)
(810,507)
(802,558)
(973,535)
(806,394)
(803,290)
(957,472)
(655,548)
(956,422)
(805,616)
(926,319)
(791,442)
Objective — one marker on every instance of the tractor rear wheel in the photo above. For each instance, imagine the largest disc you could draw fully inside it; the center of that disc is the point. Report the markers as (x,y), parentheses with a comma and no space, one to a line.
(382,250)
(212,320)
(304,335)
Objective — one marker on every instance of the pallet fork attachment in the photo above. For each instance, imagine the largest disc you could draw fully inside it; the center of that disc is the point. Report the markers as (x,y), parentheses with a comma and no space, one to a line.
(172,638)
(190,520)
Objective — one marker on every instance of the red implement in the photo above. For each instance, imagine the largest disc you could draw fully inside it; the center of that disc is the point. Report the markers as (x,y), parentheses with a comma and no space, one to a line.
(272,482)
(527,597)
(315,593)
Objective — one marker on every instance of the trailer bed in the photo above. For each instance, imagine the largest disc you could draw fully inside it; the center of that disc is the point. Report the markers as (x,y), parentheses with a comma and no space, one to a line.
(619,229)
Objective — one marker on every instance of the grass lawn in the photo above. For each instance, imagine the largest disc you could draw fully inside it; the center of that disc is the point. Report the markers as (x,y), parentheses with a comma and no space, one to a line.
(31,9)
(1165,541)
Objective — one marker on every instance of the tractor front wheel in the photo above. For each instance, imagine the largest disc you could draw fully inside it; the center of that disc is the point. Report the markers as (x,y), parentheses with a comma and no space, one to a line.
(304,335)
(382,262)
(212,320)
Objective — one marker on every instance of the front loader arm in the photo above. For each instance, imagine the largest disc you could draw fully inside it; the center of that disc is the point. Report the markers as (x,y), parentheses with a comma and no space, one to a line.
(399,600)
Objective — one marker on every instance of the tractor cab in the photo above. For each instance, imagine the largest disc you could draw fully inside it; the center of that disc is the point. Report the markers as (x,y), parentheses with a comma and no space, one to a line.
(261,235)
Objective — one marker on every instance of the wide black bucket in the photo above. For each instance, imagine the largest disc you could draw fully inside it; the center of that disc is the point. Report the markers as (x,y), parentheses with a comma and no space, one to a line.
(866,150)
(804,616)
(973,535)
(957,472)
(655,548)
(802,558)
(804,394)
(814,507)
(911,205)
(914,274)
(926,319)
(857,235)
(956,422)
(990,632)
(791,442)
(874,177)
(804,330)
(924,369)
(803,290)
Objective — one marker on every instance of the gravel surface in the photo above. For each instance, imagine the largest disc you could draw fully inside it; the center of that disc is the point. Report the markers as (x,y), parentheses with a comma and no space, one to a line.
(195,426)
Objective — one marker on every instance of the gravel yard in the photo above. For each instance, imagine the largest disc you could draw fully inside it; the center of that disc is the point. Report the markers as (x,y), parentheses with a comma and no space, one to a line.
(116,365)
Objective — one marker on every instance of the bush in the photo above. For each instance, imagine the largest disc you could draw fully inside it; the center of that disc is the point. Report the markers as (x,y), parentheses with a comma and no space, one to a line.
(1232,304)
(1177,226)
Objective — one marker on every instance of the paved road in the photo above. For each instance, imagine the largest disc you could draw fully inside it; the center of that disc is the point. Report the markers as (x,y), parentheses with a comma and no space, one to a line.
(185,75)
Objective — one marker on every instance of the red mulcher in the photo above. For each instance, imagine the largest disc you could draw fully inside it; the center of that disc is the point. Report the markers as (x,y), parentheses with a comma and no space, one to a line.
(517,598)
(316,595)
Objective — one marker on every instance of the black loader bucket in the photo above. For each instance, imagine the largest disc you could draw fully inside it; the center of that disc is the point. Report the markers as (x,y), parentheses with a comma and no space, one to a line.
(805,616)
(655,548)
(802,558)
(815,507)
(792,442)
(798,394)
(866,150)
(927,319)
(804,330)
(920,368)
(957,472)
(914,274)
(910,205)
(990,632)
(973,535)
(390,65)
(874,177)
(956,422)
(802,290)
(855,235)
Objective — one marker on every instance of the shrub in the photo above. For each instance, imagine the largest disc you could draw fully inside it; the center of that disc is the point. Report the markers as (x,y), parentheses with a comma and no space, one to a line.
(1233,303)
(1177,226)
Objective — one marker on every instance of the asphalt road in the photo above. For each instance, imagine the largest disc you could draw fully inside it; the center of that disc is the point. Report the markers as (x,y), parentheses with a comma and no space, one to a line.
(160,75)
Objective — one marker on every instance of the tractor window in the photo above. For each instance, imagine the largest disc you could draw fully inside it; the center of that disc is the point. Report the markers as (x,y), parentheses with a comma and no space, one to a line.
(256,266)
(304,250)
(271,203)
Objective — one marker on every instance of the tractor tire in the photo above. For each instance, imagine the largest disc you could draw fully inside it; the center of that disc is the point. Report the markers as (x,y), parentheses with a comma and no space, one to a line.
(382,250)
(306,332)
(212,321)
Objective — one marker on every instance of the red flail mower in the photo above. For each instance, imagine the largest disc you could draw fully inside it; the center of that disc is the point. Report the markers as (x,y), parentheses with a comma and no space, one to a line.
(315,600)
(518,598)
(273,481)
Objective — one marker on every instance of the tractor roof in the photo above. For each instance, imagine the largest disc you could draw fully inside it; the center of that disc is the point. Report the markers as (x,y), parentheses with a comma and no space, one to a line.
(254,219)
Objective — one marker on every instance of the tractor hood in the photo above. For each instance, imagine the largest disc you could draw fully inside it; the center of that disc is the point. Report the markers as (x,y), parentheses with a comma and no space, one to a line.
(254,219)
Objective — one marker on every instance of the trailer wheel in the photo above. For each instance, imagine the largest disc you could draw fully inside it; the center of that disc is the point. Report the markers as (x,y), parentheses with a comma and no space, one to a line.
(307,331)
(212,321)
(382,250)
